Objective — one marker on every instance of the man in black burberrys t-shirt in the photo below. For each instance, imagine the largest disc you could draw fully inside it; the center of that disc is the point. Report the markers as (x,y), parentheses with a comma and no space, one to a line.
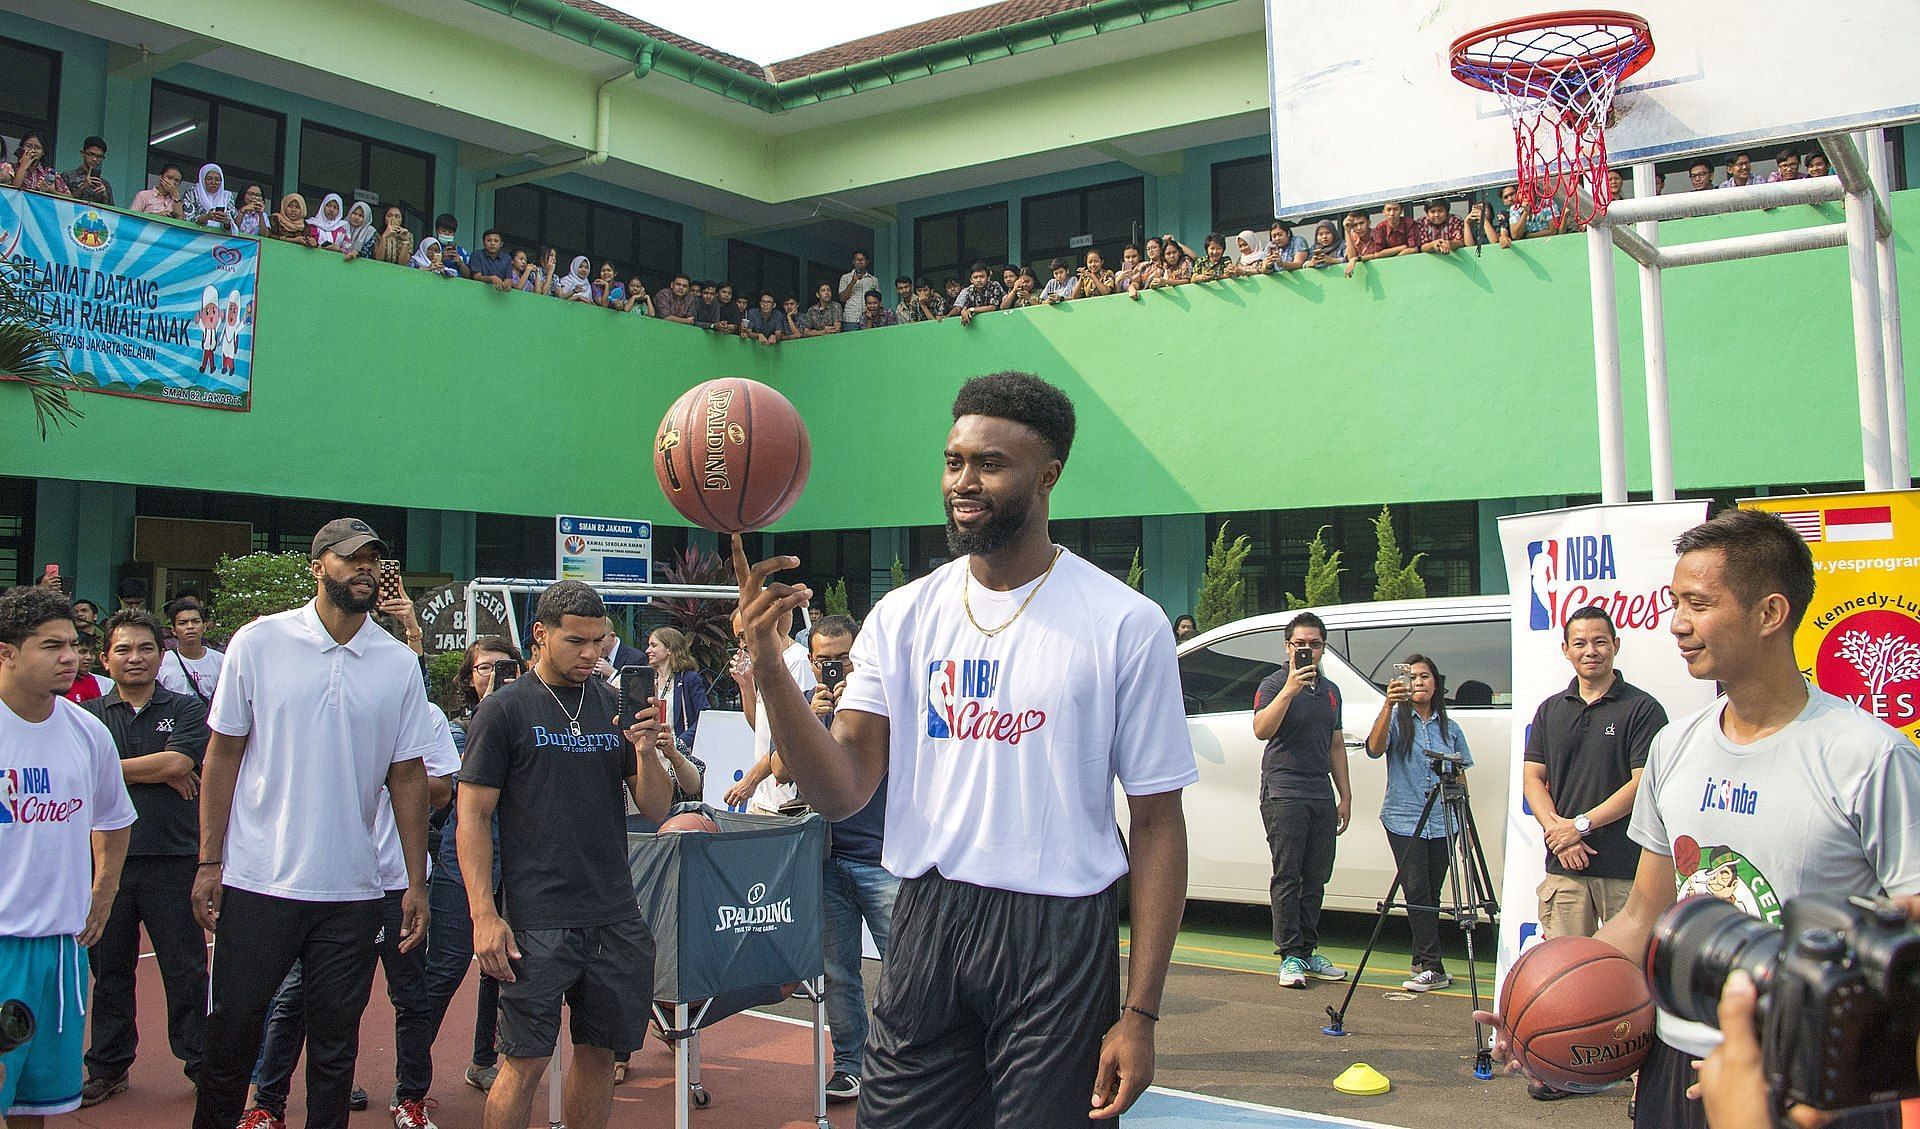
(1304,798)
(547,755)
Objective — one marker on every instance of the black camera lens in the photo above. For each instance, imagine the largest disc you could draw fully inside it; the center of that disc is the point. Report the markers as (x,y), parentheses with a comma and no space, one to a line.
(1696,944)
(16,1025)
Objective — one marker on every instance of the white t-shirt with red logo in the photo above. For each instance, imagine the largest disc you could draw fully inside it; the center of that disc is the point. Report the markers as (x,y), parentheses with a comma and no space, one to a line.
(1003,750)
(60,781)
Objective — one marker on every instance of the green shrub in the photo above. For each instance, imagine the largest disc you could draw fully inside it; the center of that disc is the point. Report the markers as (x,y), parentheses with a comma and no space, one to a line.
(1223,590)
(246,588)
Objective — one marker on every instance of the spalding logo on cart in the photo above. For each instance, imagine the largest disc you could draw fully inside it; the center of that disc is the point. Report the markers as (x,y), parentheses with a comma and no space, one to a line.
(754,917)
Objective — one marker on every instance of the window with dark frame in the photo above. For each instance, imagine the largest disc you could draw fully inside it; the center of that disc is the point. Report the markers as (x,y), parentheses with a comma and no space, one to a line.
(334,160)
(1243,195)
(29,96)
(191,129)
(1066,225)
(947,245)
(752,268)
(529,217)
(1447,532)
(17,497)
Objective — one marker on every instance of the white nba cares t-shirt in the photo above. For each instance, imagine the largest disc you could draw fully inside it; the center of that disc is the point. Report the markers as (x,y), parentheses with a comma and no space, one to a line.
(60,781)
(1004,749)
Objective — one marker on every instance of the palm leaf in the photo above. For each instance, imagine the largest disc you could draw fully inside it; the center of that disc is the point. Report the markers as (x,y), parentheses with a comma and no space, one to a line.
(30,351)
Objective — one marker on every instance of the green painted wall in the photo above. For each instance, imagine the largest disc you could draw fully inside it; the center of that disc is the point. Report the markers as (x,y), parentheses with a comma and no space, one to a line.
(1417,380)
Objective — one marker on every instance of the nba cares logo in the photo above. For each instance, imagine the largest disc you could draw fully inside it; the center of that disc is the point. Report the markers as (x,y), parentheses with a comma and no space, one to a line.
(1543,568)
(957,706)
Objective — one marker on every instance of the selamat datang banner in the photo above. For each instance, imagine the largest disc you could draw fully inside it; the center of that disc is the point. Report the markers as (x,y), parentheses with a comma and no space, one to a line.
(1618,558)
(142,307)
(1861,637)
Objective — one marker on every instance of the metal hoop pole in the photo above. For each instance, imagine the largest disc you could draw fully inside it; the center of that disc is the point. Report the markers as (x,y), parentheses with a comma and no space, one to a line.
(1869,360)
(1653,339)
(1890,336)
(1606,366)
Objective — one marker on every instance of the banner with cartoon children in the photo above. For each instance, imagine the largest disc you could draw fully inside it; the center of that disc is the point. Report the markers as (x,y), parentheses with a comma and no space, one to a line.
(1861,637)
(142,307)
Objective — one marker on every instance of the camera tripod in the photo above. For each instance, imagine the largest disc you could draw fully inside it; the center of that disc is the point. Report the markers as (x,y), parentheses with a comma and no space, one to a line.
(1470,899)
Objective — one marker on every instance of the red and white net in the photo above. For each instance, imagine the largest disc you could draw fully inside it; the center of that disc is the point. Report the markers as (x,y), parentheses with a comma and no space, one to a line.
(1557,76)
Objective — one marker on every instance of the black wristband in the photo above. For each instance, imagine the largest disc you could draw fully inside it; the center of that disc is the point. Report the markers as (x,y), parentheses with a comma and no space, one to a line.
(1140,1011)
(215,862)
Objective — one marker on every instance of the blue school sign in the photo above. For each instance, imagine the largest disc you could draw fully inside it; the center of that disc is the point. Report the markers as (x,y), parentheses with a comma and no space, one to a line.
(142,307)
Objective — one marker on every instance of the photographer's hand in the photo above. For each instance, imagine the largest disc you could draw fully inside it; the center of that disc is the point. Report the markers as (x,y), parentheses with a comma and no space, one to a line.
(1733,1083)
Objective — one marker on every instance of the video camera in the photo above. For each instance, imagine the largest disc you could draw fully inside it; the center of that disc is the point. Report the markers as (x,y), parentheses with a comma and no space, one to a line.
(16,1025)
(1839,987)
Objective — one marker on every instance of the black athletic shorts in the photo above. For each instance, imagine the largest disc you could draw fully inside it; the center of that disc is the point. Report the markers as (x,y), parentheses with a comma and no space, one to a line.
(1661,1102)
(991,1010)
(605,975)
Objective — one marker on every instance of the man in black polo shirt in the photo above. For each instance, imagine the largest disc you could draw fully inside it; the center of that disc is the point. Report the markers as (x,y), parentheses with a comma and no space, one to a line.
(1585,752)
(162,737)
(1304,798)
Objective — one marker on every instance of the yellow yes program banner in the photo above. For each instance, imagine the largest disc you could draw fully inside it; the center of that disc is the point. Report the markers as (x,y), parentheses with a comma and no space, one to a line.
(1861,638)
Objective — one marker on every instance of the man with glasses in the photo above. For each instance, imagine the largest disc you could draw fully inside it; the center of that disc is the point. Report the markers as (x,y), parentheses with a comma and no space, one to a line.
(1699,176)
(85,183)
(1305,800)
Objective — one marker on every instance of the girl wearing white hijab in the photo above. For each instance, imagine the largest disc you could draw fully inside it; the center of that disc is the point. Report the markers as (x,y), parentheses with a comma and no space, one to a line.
(575,284)
(359,237)
(210,204)
(230,334)
(428,257)
(328,226)
(207,325)
(1253,251)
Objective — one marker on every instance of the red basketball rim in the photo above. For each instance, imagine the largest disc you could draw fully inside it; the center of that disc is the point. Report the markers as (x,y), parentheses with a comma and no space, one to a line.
(1634,36)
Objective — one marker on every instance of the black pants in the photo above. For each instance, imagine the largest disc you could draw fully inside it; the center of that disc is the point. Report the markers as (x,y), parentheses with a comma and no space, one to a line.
(1661,1100)
(991,1010)
(406,990)
(1423,878)
(156,890)
(258,940)
(1300,834)
(449,956)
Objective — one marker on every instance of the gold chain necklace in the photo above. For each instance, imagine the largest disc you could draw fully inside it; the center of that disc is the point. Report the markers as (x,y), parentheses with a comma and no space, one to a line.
(967,603)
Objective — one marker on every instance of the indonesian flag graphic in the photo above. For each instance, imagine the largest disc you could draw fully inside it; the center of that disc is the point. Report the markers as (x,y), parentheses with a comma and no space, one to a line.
(1860,523)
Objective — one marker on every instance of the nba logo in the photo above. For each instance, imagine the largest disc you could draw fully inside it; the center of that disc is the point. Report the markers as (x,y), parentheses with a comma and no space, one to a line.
(941,688)
(1543,567)
(9,788)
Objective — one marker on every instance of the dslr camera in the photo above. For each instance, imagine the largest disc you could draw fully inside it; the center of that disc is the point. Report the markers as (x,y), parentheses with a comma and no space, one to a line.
(1839,988)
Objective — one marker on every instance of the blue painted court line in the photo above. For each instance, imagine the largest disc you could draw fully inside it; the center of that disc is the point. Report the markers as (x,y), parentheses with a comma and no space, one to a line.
(1161,1108)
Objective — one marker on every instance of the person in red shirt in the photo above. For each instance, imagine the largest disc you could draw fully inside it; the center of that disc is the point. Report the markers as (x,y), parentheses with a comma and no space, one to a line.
(86,687)
(1394,234)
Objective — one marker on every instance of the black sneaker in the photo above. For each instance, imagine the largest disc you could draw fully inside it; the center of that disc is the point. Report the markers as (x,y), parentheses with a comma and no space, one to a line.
(842,1087)
(97,1090)
(357,1100)
(1541,1092)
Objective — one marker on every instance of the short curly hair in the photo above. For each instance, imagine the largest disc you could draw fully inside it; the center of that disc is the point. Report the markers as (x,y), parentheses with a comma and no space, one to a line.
(1023,398)
(27,609)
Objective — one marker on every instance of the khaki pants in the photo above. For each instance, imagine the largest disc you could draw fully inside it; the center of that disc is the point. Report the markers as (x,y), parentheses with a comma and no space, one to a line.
(1576,905)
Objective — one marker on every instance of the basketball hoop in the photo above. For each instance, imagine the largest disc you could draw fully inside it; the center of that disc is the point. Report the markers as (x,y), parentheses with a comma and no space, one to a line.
(1556,75)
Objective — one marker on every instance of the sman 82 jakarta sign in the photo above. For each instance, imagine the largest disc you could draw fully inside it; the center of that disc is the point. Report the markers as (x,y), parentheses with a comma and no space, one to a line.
(1861,637)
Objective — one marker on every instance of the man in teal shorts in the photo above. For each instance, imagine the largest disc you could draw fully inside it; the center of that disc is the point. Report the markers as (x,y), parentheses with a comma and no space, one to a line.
(64,820)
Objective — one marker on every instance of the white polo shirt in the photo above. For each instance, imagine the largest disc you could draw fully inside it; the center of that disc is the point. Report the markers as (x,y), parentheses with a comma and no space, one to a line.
(325,721)
(442,760)
(771,795)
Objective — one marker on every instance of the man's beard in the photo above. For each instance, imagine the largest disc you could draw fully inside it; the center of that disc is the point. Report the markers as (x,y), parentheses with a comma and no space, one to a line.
(994,534)
(340,595)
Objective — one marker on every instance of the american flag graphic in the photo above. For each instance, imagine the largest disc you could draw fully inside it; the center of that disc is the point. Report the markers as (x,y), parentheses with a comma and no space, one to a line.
(1805,522)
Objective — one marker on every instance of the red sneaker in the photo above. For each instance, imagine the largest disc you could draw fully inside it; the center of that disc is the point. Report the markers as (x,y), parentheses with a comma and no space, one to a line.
(412,1114)
(258,1118)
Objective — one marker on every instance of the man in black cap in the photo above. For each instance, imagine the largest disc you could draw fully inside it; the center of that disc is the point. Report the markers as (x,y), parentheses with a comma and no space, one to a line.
(317,709)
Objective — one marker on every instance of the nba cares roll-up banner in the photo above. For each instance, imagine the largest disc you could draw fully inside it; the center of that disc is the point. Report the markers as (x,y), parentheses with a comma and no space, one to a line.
(1617,558)
(1861,637)
(141,307)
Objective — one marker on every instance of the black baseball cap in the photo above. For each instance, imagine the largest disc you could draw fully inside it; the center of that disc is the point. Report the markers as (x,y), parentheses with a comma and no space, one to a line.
(345,536)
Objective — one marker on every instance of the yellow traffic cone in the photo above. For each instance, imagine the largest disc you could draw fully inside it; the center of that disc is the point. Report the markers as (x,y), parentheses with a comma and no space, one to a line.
(1363,1080)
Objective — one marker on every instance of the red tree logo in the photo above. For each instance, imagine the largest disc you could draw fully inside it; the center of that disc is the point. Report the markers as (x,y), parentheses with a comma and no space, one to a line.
(1872,659)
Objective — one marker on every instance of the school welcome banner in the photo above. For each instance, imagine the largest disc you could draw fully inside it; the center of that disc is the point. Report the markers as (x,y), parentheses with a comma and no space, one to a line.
(142,307)
(1618,558)
(1861,637)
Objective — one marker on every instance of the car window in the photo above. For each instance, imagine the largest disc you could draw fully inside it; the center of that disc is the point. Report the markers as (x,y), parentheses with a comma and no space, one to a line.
(1222,678)
(1475,657)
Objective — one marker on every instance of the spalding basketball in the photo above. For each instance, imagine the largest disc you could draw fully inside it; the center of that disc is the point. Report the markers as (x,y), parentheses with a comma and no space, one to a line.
(732,455)
(690,821)
(1578,1013)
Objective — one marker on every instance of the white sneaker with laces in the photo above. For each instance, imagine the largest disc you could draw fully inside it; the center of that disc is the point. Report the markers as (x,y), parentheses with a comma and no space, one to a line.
(1427,980)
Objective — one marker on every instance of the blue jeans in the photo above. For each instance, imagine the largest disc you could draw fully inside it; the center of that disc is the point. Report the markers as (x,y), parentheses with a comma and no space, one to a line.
(854,891)
(449,955)
(287,1022)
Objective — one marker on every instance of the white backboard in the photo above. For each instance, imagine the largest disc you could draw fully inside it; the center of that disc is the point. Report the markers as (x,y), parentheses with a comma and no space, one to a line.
(1365,109)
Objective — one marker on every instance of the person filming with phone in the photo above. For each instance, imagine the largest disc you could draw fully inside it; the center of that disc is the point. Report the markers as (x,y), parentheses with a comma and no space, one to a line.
(1305,801)
(1414,734)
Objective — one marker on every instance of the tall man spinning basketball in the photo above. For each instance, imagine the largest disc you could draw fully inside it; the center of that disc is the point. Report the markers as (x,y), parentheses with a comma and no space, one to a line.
(1005,692)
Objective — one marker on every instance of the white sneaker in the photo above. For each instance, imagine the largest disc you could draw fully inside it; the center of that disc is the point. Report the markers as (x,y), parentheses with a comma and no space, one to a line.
(1427,980)
(412,1115)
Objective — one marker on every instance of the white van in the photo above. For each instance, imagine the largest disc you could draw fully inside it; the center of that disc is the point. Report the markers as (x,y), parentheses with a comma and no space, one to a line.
(1468,636)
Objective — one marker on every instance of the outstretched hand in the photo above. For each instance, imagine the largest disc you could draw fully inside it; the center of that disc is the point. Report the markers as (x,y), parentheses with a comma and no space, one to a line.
(766,610)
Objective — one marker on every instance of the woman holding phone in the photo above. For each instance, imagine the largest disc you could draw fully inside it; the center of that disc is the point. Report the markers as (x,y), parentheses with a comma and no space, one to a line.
(681,694)
(1411,731)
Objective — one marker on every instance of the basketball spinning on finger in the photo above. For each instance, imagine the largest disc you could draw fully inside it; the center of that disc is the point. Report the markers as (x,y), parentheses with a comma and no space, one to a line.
(732,455)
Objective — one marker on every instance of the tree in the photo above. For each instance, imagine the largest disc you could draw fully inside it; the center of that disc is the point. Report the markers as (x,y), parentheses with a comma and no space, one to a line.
(246,588)
(1135,572)
(835,599)
(30,351)
(898,573)
(707,623)
(1223,590)
(1323,574)
(1391,580)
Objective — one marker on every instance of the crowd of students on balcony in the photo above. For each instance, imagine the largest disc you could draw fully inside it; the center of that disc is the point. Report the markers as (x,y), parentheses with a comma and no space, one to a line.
(857,301)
